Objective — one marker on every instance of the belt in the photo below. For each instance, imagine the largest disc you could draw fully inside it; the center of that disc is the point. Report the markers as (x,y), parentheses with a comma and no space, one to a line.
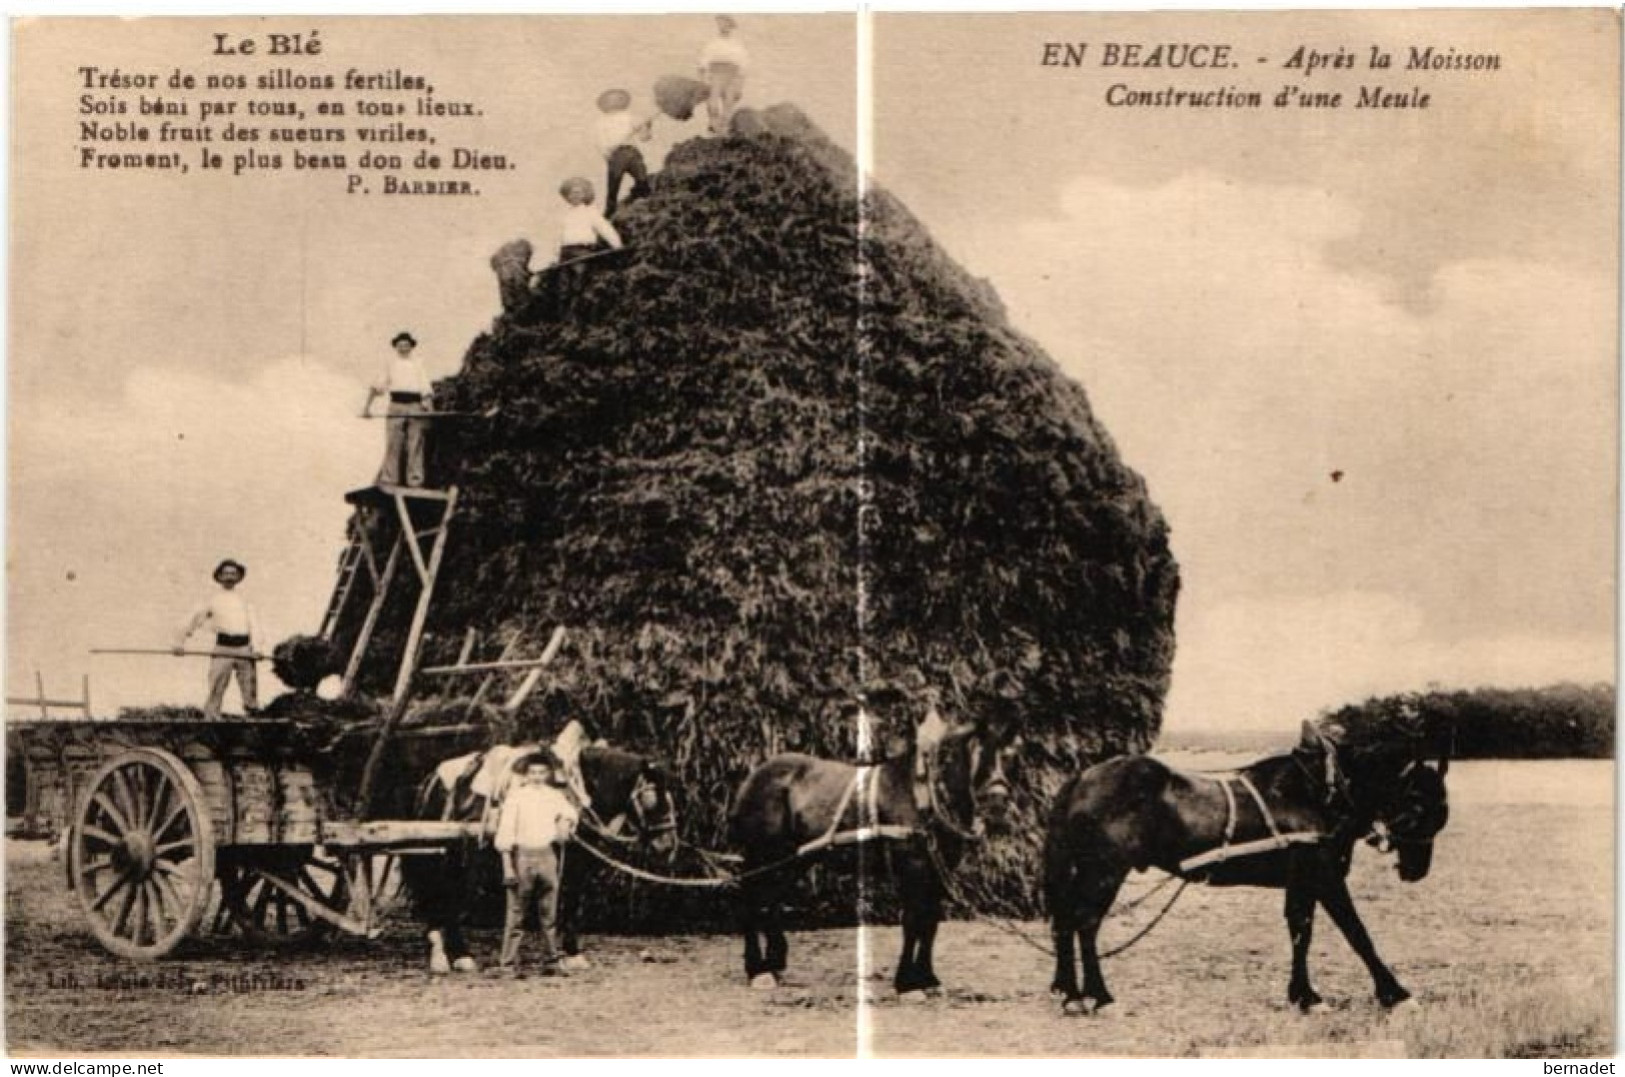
(406,398)
(226,639)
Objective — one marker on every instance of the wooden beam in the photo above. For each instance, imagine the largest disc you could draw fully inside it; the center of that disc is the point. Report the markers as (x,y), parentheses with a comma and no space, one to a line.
(313,906)
(363,539)
(391,833)
(528,685)
(431,572)
(403,679)
(409,535)
(485,685)
(359,650)
(36,701)
(483,667)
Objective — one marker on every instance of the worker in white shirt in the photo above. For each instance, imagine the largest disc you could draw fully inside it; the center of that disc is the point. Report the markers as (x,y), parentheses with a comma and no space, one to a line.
(581,227)
(406,384)
(722,68)
(536,817)
(236,631)
(617,130)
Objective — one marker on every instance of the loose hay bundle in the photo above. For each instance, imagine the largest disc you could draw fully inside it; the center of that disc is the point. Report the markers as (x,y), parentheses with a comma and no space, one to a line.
(303,662)
(705,451)
(678,97)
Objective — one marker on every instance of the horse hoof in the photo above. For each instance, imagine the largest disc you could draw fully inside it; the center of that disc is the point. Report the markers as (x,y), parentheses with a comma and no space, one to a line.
(575,963)
(1405,1007)
(911,998)
(465,964)
(439,966)
(1314,1009)
(764,981)
(1075,1007)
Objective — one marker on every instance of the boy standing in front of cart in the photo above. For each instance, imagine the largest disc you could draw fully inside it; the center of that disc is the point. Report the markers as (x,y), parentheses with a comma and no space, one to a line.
(236,630)
(536,818)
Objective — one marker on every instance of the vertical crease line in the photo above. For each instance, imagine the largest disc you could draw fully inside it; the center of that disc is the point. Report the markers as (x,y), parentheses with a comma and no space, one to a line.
(865,162)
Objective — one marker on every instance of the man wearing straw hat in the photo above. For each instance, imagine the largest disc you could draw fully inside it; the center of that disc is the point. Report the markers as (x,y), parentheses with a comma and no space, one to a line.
(617,130)
(406,384)
(236,629)
(722,67)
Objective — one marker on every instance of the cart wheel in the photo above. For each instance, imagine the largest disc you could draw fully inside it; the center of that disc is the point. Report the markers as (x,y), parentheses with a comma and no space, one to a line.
(265,913)
(141,854)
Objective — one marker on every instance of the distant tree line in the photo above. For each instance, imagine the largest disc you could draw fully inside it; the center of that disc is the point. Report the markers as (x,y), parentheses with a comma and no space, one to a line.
(1563,721)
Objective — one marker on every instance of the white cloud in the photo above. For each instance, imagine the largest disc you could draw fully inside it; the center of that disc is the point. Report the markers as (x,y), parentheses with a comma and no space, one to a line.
(122,505)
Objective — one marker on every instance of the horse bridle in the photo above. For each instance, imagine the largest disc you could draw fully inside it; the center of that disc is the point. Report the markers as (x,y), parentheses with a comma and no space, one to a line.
(977,829)
(640,815)
(645,831)
(1405,828)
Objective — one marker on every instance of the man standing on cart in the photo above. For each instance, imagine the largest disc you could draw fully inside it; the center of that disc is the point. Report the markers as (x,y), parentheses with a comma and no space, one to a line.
(236,631)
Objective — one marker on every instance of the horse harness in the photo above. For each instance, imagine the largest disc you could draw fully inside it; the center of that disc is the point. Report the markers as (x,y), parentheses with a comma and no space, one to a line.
(643,789)
(864,788)
(1229,849)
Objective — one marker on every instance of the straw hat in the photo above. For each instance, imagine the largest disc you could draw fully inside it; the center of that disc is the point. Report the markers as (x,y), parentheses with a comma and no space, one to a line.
(229,563)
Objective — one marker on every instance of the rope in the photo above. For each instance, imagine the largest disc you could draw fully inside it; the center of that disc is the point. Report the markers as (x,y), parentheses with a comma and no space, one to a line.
(1146,930)
(1010,927)
(1007,926)
(649,876)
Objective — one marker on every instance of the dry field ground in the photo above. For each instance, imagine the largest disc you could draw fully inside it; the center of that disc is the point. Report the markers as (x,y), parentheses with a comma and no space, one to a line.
(1508,945)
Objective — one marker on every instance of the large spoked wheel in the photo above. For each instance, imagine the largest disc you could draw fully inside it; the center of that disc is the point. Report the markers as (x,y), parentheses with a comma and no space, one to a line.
(141,854)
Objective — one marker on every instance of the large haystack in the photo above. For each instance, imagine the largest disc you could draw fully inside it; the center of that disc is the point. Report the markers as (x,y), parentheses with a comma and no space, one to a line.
(686,435)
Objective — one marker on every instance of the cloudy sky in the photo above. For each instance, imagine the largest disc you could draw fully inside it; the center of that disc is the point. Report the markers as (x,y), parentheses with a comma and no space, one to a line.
(1423,302)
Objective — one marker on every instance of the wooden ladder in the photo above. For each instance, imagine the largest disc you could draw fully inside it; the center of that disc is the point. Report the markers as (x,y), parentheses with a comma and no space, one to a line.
(349,564)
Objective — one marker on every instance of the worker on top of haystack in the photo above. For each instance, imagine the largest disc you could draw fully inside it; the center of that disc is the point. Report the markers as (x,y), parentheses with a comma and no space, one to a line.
(583,232)
(617,130)
(511,264)
(722,66)
(235,631)
(582,229)
(406,384)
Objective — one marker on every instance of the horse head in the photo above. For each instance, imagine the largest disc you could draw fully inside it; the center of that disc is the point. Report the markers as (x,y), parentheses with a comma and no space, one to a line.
(635,790)
(1411,815)
(970,782)
(653,810)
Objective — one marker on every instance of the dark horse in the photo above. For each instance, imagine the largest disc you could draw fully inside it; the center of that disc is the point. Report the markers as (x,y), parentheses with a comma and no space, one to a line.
(794,805)
(631,801)
(1289,822)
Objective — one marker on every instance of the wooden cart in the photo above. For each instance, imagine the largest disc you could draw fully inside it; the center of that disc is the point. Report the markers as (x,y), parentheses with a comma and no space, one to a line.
(155,814)
(261,821)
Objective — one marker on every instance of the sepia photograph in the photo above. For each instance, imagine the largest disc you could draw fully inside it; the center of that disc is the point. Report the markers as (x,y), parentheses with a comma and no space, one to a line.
(845,535)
